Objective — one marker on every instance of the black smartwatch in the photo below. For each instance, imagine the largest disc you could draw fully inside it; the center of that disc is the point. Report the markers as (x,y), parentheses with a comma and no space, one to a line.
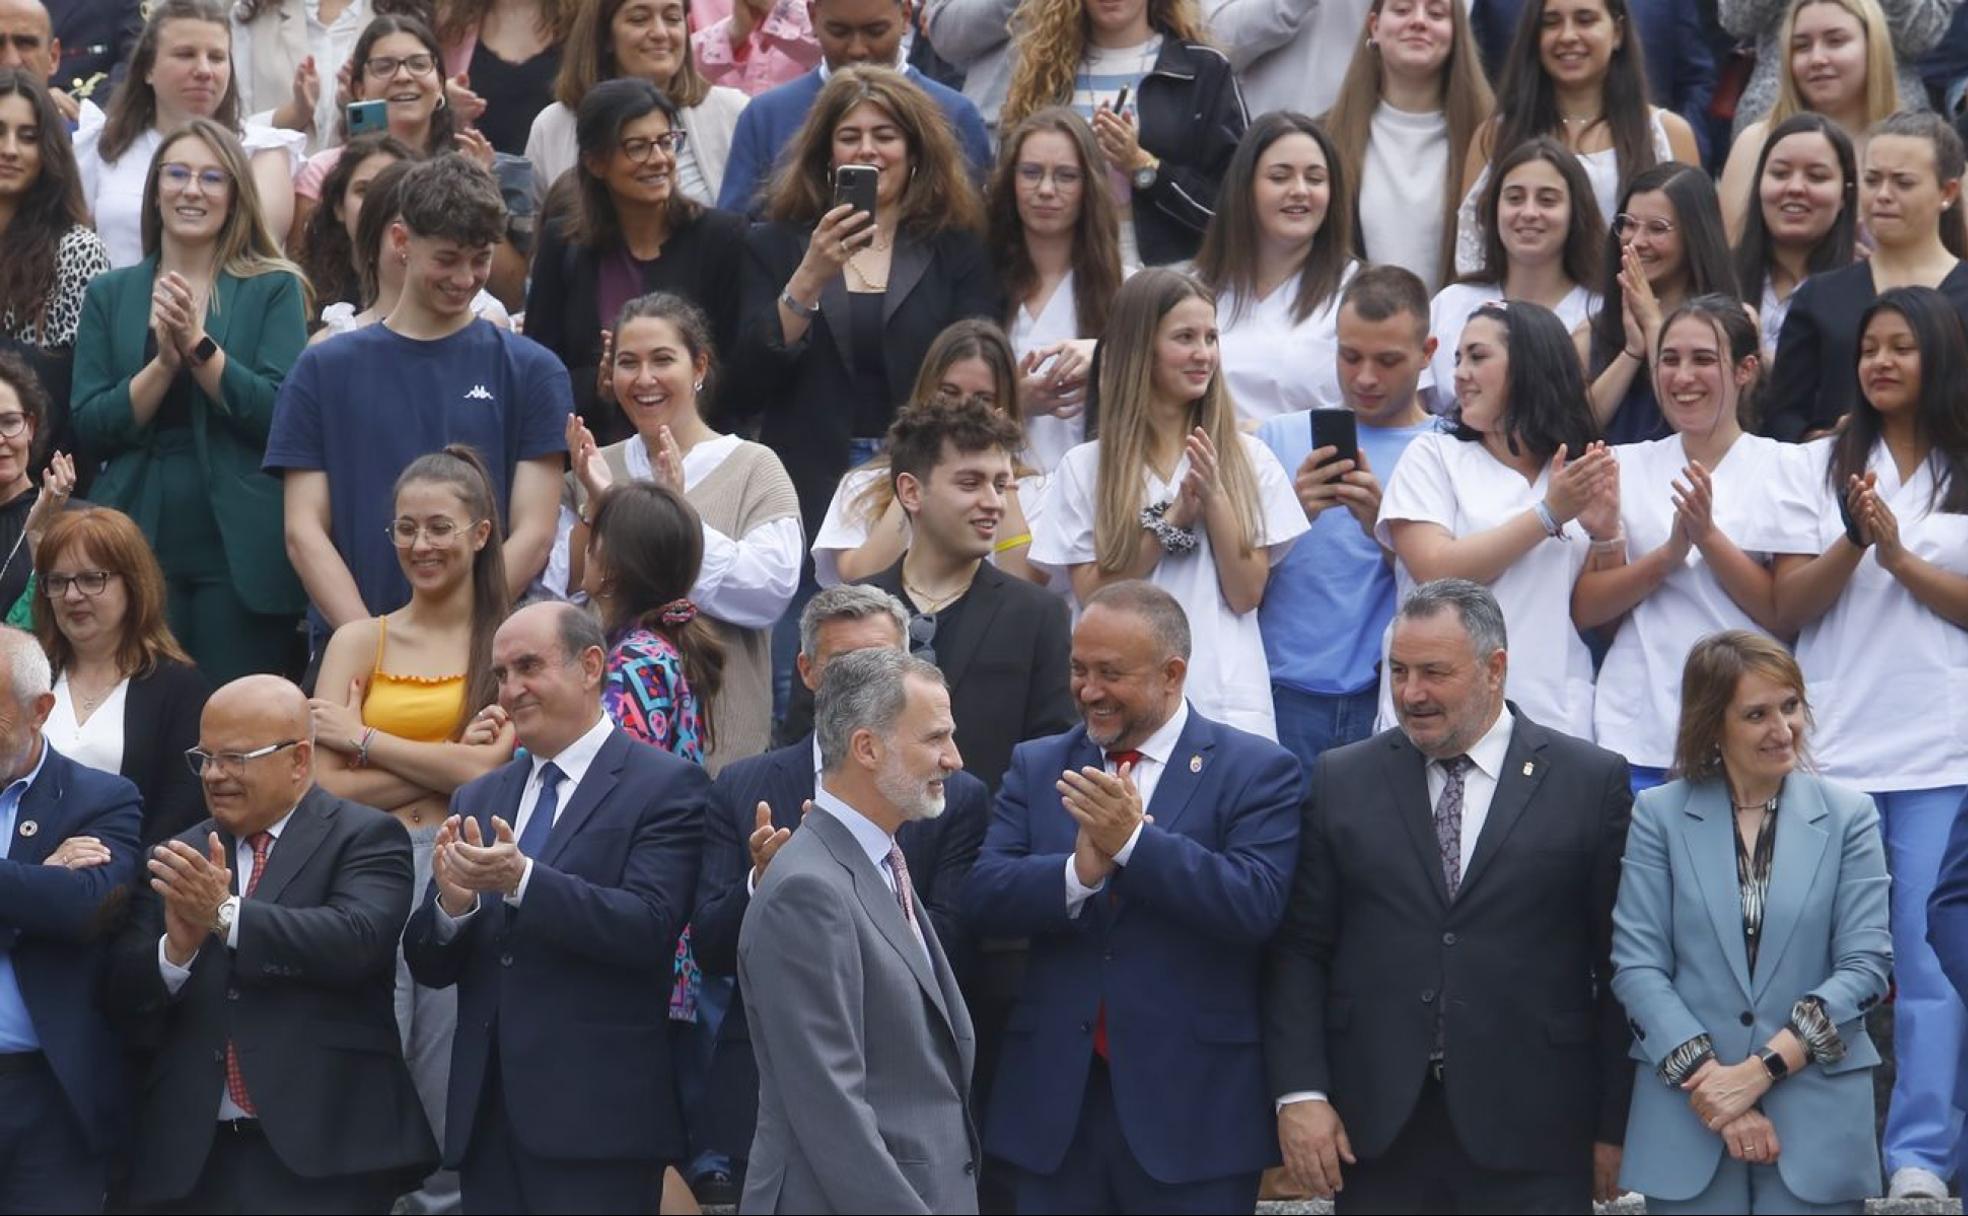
(205,349)
(1774,1064)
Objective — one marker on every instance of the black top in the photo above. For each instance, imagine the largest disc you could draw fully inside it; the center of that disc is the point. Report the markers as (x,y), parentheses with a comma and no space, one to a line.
(944,636)
(872,405)
(514,94)
(1814,380)
(16,554)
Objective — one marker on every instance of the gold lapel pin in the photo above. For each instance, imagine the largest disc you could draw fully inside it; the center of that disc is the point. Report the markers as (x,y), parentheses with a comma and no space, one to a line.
(28,827)
(1527,768)
(1195,764)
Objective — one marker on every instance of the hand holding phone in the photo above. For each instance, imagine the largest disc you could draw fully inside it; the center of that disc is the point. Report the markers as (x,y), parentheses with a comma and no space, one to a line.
(1336,428)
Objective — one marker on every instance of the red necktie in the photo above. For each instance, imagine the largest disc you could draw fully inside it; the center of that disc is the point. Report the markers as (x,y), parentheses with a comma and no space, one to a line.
(235,1079)
(1132,758)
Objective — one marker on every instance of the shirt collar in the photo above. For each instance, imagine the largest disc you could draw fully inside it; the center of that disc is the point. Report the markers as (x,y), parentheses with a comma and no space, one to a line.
(867,833)
(1488,752)
(574,759)
(1161,745)
(18,787)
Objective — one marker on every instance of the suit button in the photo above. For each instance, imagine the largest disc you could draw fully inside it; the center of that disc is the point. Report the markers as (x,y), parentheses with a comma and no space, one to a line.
(232,994)
(1448,939)
(1746,1018)
(1107,956)
(1428,996)
(218,1057)
(505,960)
(1086,1027)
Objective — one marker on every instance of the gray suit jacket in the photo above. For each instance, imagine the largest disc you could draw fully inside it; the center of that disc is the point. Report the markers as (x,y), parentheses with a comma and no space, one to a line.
(864,1045)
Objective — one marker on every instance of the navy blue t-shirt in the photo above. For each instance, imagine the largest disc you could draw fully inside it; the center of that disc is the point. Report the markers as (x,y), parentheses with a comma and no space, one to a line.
(363,405)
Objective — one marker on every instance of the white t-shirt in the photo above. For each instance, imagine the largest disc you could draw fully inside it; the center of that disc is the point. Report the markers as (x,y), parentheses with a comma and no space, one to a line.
(97,743)
(339,317)
(1402,181)
(114,192)
(1450,312)
(1272,364)
(1638,705)
(1048,439)
(846,526)
(1228,678)
(1457,484)
(1887,676)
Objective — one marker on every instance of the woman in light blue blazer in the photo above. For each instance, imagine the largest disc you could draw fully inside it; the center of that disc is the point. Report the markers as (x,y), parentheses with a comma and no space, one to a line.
(1749,939)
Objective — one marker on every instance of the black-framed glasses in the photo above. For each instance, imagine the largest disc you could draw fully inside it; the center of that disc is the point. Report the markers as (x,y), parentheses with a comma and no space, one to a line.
(11,425)
(89,582)
(639,149)
(231,763)
(382,67)
(922,636)
(1627,226)
(178,177)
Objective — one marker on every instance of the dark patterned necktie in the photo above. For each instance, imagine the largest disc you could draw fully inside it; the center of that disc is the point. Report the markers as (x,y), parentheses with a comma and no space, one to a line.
(1448,821)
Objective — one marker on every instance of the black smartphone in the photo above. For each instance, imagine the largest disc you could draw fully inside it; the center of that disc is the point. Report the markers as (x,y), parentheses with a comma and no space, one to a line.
(1338,429)
(367,116)
(1120,100)
(855,184)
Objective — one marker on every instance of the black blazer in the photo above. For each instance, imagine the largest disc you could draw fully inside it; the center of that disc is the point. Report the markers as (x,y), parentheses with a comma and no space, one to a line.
(562,312)
(1189,114)
(1009,674)
(160,723)
(573,992)
(805,392)
(308,998)
(1814,380)
(939,852)
(1518,966)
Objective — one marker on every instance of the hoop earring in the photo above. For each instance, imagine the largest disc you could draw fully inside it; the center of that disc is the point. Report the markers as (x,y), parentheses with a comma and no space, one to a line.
(697,387)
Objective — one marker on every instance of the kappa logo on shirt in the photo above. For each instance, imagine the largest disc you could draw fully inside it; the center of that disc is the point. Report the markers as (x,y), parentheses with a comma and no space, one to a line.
(479,393)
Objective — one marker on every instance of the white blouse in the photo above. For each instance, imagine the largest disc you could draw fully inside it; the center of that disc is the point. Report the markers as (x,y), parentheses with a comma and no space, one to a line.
(1887,676)
(1458,485)
(745,581)
(1227,667)
(1638,705)
(1273,364)
(114,191)
(97,743)
(1450,312)
(1048,439)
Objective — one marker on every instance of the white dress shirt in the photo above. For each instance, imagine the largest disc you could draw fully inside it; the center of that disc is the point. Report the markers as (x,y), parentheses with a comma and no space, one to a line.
(573,762)
(1156,751)
(876,843)
(175,976)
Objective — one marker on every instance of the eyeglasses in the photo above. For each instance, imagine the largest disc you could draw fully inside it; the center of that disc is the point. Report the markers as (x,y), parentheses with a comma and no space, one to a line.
(1064,178)
(178,176)
(639,150)
(922,637)
(12,425)
(1625,226)
(382,67)
(230,763)
(438,533)
(89,582)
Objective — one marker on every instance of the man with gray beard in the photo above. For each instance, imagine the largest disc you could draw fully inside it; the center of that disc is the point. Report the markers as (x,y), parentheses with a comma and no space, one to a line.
(863,1042)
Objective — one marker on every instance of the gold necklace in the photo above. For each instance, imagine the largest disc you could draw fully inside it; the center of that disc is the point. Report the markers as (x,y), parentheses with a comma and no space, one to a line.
(931,604)
(861,277)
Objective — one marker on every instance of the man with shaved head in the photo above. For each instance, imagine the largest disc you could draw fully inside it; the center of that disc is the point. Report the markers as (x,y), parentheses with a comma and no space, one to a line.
(263,954)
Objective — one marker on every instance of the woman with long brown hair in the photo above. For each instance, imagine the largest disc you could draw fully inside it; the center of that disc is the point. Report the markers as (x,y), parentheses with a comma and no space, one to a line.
(1056,245)
(1163,104)
(1412,99)
(1174,492)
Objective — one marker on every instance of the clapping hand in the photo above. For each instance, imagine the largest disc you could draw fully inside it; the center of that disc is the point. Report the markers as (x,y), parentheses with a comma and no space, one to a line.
(584,454)
(1641,316)
(192,885)
(484,868)
(1600,516)
(1878,522)
(1106,805)
(1199,484)
(1571,484)
(1694,505)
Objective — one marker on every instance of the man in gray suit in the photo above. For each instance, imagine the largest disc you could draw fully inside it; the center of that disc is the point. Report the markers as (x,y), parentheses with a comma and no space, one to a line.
(864,1045)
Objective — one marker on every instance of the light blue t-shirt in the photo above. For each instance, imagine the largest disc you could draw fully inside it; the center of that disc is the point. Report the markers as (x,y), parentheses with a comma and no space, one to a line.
(1328,603)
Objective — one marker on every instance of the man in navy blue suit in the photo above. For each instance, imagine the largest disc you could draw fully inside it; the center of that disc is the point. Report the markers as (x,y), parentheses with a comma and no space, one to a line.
(850,32)
(68,849)
(1147,854)
(1947,928)
(559,886)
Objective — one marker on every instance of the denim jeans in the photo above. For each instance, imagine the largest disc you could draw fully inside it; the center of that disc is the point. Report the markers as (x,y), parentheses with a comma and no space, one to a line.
(1310,723)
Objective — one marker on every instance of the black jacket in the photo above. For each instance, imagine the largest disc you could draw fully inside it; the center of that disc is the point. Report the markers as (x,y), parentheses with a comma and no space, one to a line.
(160,723)
(1518,966)
(1189,114)
(804,394)
(308,997)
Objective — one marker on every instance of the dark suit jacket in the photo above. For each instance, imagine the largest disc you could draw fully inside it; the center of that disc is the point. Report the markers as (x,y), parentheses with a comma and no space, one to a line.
(308,998)
(1173,947)
(573,989)
(54,923)
(97,37)
(562,310)
(160,722)
(939,852)
(1947,924)
(1009,673)
(806,390)
(1519,965)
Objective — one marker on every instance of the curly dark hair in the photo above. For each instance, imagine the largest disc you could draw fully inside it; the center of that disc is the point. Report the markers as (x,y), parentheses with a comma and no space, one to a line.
(326,252)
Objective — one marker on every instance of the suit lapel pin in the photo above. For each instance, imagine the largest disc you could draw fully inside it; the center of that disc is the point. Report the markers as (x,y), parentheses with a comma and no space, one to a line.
(28,827)
(1528,766)
(1196,764)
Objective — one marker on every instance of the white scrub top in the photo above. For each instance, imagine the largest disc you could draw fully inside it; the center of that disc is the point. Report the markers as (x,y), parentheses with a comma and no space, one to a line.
(1273,364)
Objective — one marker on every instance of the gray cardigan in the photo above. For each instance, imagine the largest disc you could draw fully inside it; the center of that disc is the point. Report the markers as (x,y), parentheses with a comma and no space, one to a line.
(1916,24)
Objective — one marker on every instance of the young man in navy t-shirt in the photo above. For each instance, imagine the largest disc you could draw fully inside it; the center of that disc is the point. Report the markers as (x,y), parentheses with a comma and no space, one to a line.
(360,407)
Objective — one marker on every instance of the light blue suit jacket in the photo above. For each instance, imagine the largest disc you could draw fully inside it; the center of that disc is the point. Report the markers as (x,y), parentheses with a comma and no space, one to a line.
(1681,969)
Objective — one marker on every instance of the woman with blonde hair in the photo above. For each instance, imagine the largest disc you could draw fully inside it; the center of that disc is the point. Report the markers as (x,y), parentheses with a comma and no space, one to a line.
(1174,492)
(1413,98)
(1913,27)
(1056,245)
(1839,64)
(1164,106)
(182,431)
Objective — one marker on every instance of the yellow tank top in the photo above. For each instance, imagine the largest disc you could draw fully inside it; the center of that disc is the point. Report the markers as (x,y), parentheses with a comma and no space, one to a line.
(423,709)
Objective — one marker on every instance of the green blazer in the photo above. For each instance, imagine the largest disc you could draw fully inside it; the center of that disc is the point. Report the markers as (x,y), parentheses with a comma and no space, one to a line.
(261,324)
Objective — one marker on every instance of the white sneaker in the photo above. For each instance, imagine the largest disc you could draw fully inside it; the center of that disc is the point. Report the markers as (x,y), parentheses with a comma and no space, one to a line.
(1912,1182)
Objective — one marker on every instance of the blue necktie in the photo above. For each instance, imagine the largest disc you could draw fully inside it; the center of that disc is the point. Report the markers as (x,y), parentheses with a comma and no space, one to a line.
(533,840)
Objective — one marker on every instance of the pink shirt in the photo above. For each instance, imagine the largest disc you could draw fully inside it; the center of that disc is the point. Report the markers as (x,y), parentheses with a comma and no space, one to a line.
(780,48)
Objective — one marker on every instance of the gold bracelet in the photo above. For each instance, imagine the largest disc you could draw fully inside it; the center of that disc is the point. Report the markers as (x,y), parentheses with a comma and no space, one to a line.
(1012,542)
